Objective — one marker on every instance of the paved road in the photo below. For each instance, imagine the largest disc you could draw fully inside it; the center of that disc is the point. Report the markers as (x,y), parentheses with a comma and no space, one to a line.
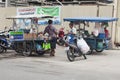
(103,66)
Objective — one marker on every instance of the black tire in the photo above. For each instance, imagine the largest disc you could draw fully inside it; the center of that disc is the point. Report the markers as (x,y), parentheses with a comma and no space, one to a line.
(61,42)
(99,50)
(27,51)
(81,54)
(70,55)
(1,49)
(40,53)
(19,50)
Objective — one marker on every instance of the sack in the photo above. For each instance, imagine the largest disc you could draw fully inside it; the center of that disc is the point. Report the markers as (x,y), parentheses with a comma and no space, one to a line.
(81,43)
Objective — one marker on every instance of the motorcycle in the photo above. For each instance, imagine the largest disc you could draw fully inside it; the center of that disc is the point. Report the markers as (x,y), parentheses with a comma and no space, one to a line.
(4,42)
(60,40)
(73,49)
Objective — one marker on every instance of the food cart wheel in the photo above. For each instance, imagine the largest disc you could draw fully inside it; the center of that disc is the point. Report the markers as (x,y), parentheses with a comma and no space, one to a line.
(99,50)
(40,53)
(70,55)
(99,47)
(19,50)
(1,49)
(27,51)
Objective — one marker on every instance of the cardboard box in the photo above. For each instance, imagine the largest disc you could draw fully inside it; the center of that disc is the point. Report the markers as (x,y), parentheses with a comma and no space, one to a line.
(30,36)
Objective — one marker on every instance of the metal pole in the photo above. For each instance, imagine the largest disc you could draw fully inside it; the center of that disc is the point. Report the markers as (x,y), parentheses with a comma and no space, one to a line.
(6,3)
(97,10)
(114,23)
(59,2)
(79,29)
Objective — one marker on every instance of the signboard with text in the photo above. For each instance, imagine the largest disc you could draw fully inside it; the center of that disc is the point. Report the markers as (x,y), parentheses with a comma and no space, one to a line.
(39,11)
(26,11)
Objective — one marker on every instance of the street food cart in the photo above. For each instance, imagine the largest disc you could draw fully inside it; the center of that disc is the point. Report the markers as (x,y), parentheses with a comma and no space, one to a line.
(97,43)
(26,43)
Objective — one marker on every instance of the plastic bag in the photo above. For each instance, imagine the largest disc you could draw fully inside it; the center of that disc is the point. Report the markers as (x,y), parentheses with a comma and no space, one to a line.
(46,46)
(39,47)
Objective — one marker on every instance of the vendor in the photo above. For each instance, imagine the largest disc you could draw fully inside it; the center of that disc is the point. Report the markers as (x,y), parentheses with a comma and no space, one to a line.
(40,36)
(52,32)
(33,30)
(72,33)
(96,31)
(73,29)
(106,32)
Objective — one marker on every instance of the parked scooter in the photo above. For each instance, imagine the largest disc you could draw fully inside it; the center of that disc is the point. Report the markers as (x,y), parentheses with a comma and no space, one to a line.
(4,42)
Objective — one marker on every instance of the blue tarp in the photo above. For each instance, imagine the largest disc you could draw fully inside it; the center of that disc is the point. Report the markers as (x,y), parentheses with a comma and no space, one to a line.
(91,19)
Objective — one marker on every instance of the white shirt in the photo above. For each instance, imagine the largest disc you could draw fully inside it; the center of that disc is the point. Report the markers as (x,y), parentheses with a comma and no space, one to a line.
(32,31)
(73,30)
(95,31)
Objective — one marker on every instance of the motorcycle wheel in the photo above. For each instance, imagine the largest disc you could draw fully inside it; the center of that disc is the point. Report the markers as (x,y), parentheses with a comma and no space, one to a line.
(70,55)
(40,53)
(61,42)
(1,49)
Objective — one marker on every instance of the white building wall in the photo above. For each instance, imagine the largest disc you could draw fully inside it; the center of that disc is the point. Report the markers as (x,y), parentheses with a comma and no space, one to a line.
(117,29)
